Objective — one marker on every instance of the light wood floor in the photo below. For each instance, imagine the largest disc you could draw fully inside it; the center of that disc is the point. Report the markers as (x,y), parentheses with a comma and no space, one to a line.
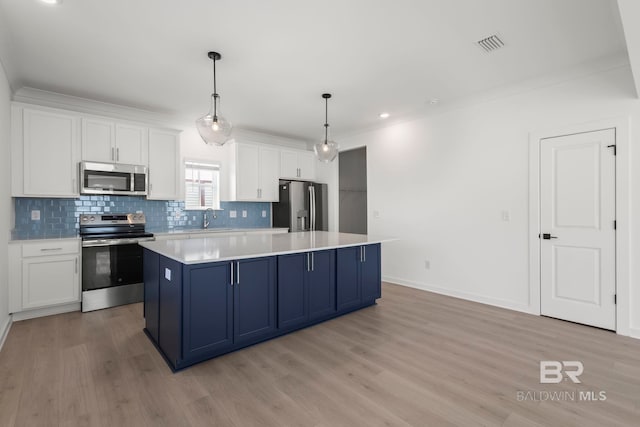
(416,359)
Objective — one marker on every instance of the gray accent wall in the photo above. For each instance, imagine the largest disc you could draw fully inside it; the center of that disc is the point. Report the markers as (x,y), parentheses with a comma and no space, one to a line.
(352,176)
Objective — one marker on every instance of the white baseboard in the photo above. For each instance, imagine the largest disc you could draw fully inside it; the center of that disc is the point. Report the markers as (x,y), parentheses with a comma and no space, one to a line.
(48,311)
(4,331)
(510,305)
(634,333)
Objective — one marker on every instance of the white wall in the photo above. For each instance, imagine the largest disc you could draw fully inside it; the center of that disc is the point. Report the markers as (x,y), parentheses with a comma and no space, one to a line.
(440,184)
(5,199)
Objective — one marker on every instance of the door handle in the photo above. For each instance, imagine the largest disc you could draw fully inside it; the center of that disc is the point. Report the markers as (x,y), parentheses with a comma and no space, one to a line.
(547,236)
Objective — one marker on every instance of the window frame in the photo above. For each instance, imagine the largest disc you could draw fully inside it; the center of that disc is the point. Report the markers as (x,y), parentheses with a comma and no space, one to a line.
(206,164)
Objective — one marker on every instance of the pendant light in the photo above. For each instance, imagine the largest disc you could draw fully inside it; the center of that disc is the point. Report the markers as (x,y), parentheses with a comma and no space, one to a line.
(326,150)
(214,129)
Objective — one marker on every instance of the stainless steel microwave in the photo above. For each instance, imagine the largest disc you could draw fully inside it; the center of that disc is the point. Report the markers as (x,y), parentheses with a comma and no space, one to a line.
(111,178)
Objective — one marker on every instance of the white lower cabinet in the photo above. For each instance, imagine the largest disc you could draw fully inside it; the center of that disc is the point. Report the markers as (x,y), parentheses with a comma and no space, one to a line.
(45,274)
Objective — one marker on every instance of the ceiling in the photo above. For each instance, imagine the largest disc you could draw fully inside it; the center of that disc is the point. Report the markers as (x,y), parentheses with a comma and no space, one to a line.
(279,56)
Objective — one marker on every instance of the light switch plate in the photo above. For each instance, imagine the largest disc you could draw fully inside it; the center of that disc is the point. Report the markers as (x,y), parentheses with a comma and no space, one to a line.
(233,214)
(35,215)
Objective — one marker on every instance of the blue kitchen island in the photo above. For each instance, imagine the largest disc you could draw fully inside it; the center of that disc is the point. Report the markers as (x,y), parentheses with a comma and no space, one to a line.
(210,296)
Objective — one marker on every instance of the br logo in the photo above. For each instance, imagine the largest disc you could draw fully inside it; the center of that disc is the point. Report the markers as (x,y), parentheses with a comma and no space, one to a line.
(551,371)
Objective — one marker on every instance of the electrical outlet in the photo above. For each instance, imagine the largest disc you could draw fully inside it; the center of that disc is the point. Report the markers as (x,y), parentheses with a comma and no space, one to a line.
(427,264)
(35,215)
(233,214)
(264,214)
(244,214)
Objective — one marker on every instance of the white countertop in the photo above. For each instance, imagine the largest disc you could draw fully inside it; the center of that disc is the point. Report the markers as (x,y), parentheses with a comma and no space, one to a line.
(203,250)
(219,230)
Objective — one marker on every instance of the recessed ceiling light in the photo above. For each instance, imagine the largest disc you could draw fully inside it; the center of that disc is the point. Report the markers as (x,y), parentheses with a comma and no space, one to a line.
(51,1)
(383,115)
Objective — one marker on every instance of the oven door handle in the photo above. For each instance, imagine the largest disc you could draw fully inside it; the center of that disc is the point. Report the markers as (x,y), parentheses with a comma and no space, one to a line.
(115,242)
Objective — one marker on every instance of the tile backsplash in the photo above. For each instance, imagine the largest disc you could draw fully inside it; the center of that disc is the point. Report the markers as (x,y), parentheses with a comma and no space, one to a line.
(59,217)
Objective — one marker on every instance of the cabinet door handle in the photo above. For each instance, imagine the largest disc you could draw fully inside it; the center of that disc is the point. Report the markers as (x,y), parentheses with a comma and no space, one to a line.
(113,153)
(117,154)
(364,254)
(360,253)
(231,273)
(313,262)
(308,262)
(50,249)
(238,272)
(76,265)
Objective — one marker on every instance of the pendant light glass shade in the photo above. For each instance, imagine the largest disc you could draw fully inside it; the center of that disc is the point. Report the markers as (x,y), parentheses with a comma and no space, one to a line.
(326,150)
(213,128)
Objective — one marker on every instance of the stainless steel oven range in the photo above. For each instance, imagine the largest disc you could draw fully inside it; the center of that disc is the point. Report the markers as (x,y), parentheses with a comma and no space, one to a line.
(112,259)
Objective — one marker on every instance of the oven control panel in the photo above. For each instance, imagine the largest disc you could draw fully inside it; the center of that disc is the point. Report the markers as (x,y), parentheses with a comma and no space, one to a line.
(105,219)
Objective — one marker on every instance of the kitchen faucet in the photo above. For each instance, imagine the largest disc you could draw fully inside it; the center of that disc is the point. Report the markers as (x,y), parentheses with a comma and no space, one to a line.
(206,220)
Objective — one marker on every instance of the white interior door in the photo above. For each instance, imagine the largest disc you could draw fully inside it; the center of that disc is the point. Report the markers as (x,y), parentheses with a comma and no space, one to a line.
(577,213)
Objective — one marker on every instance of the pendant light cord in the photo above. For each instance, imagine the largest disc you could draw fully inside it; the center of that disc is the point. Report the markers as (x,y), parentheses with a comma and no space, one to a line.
(326,120)
(215,92)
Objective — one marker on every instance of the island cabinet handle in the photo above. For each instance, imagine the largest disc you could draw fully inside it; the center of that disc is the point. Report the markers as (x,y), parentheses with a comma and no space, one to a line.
(231,273)
(364,254)
(308,262)
(313,262)
(238,272)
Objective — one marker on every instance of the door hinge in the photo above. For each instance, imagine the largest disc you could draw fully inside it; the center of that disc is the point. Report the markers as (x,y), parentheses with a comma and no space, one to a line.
(614,149)
(615,298)
(615,224)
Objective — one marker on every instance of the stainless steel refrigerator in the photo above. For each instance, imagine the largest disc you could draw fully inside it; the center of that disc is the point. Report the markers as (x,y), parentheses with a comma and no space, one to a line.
(302,206)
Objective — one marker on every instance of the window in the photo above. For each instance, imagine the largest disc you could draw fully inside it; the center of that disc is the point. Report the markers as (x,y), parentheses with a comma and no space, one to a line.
(202,185)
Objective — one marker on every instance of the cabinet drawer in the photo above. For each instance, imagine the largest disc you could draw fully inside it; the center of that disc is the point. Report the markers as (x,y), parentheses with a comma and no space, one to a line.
(57,247)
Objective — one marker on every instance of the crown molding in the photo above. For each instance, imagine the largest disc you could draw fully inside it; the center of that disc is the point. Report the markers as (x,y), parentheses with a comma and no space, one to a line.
(29,95)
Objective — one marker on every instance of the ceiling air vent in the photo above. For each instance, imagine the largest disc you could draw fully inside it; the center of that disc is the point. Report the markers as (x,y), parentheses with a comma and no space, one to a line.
(491,43)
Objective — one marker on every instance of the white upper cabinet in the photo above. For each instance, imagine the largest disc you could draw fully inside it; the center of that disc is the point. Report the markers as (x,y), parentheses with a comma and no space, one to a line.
(297,164)
(164,165)
(254,173)
(45,153)
(108,141)
(269,168)
(131,145)
(98,140)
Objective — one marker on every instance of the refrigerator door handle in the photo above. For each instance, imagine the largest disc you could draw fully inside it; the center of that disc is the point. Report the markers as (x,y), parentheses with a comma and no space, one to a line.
(312,198)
